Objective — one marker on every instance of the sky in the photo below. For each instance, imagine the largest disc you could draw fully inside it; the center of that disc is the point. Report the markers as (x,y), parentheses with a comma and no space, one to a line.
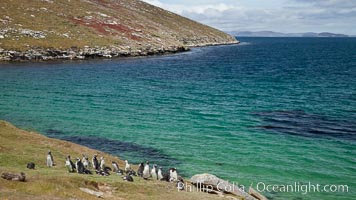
(287,16)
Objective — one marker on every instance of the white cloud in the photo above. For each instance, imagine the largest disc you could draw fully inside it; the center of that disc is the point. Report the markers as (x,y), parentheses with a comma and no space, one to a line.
(279,15)
(184,8)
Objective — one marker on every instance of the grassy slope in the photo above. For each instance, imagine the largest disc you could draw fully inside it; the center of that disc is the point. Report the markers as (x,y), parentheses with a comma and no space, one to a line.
(87,22)
(18,147)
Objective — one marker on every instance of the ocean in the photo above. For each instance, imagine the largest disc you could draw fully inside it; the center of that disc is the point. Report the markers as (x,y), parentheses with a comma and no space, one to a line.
(269,111)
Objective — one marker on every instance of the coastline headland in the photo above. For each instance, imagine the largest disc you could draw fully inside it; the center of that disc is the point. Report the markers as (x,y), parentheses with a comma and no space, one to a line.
(62,29)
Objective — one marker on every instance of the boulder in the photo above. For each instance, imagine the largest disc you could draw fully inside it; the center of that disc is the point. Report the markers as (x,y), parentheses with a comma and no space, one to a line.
(14,177)
(256,194)
(92,192)
(220,185)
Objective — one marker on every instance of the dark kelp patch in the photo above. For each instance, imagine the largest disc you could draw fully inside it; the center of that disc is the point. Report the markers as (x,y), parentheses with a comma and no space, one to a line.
(298,122)
(53,132)
(125,150)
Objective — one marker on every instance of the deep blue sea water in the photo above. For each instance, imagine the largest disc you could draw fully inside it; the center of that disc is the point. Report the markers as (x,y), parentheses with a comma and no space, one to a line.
(272,110)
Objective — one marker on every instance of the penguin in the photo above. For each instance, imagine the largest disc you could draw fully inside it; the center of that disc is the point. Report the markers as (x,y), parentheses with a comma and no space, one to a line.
(159,174)
(166,176)
(95,162)
(31,165)
(120,172)
(102,172)
(173,175)
(132,173)
(50,162)
(128,178)
(69,165)
(140,170)
(102,163)
(127,166)
(180,179)
(107,169)
(87,171)
(115,166)
(79,166)
(86,162)
(180,185)
(146,171)
(154,172)
(103,168)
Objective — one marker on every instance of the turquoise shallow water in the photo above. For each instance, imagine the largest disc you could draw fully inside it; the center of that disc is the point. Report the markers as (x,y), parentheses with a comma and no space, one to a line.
(272,110)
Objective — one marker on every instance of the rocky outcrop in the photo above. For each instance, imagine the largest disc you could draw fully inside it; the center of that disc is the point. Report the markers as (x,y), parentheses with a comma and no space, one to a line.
(212,184)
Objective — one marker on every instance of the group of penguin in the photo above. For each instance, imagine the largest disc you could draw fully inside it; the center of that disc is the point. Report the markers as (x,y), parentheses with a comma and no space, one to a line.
(83,165)
(157,174)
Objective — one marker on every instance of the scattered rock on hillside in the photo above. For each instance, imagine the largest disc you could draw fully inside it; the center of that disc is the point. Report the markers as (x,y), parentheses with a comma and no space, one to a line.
(92,192)
(14,177)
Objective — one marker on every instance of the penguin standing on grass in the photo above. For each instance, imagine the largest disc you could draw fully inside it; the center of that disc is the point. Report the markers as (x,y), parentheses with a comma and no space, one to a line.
(86,161)
(49,161)
(115,166)
(127,167)
(79,166)
(140,170)
(95,162)
(173,175)
(159,174)
(154,172)
(102,163)
(71,162)
(166,176)
(146,171)
(69,165)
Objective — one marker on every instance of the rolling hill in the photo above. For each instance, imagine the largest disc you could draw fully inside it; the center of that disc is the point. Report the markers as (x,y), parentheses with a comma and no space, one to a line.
(50,29)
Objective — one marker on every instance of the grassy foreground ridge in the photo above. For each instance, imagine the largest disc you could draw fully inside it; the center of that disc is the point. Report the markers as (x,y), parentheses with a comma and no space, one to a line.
(18,147)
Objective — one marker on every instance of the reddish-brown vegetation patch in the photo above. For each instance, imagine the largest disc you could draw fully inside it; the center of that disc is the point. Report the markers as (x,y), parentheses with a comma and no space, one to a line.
(105,28)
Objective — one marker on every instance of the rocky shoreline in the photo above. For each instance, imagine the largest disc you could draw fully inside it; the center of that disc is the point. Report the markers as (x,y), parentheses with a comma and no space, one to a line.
(74,53)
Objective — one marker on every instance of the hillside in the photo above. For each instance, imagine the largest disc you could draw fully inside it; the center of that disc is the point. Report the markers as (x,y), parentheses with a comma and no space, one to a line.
(19,147)
(48,29)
